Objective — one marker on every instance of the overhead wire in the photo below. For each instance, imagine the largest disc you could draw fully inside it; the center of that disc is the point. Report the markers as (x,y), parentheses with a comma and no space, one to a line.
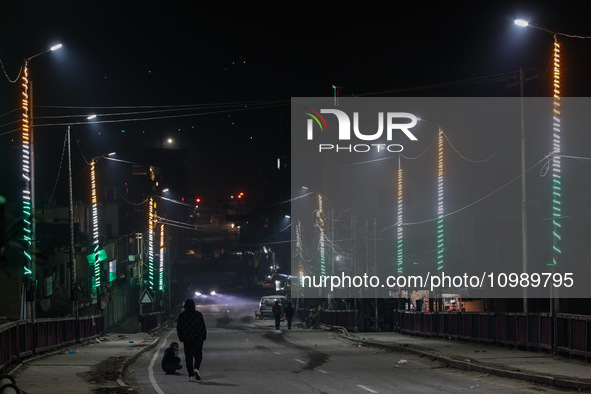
(59,171)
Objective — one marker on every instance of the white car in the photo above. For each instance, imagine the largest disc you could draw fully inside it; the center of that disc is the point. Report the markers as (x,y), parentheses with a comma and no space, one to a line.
(266,305)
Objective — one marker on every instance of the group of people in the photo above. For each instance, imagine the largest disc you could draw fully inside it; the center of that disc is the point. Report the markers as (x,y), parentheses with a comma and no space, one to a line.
(278,311)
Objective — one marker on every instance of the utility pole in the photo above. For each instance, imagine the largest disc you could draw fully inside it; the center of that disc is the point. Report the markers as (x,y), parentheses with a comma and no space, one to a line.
(72,263)
(523,196)
(524,264)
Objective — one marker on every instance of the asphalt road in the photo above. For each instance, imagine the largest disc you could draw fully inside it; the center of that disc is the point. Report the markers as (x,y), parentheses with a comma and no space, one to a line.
(242,356)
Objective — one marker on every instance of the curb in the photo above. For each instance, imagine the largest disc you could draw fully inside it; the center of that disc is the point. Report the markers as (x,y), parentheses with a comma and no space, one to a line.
(131,359)
(469,365)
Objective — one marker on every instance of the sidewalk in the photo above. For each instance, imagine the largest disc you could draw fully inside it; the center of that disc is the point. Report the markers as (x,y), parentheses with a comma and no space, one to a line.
(486,358)
(89,367)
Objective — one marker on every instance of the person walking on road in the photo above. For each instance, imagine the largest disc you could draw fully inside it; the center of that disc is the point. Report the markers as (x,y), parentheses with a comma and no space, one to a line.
(289,312)
(277,313)
(192,333)
(171,362)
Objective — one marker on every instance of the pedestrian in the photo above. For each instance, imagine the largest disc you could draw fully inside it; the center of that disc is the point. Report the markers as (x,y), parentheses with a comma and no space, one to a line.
(289,312)
(171,362)
(277,313)
(192,333)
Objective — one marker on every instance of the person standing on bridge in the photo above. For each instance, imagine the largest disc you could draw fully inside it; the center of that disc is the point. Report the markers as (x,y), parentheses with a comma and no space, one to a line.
(192,333)
(289,312)
(277,313)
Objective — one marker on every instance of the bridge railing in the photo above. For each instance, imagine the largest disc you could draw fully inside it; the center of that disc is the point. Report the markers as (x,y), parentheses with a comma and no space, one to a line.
(562,333)
(24,338)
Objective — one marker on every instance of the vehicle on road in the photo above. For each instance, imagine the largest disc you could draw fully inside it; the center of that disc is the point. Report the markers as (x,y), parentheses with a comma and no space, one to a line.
(266,305)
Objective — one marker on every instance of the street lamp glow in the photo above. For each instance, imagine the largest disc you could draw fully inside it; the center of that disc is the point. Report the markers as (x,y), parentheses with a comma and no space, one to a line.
(165,190)
(90,117)
(55,47)
(112,154)
(521,22)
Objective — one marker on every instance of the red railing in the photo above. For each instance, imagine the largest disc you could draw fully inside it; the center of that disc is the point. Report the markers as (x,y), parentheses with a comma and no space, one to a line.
(23,338)
(342,318)
(150,321)
(561,333)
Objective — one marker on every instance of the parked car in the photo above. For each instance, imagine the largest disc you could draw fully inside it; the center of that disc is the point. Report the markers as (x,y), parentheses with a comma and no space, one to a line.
(266,305)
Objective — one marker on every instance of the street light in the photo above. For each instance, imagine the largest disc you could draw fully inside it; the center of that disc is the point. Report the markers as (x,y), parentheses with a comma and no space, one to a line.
(556,171)
(557,215)
(28,172)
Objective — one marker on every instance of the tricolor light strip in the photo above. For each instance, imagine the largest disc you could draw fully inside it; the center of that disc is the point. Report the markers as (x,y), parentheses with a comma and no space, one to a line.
(321,227)
(161,270)
(95,231)
(556,177)
(440,243)
(399,249)
(151,216)
(27,204)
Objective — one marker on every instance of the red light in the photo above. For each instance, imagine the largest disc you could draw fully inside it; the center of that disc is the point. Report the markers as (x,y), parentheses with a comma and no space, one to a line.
(240,195)
(197,200)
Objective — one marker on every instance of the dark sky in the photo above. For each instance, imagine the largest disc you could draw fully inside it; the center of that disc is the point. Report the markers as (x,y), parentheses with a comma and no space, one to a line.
(118,60)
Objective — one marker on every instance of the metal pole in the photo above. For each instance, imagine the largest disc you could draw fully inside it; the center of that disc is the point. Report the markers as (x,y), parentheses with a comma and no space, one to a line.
(71,214)
(523,195)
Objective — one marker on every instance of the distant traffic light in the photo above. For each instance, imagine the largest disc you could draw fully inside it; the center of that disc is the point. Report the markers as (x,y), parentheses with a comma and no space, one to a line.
(240,195)
(197,200)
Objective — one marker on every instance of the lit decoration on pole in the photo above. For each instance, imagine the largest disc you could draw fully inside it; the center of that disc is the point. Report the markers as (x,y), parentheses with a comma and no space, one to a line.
(95,232)
(320,220)
(399,249)
(161,270)
(440,203)
(27,205)
(556,177)
(151,220)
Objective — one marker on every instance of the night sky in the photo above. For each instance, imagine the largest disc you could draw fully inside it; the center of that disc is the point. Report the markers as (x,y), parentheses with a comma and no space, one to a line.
(218,80)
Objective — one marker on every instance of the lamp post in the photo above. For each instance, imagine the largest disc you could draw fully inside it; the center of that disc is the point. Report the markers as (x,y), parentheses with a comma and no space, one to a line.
(557,214)
(28,172)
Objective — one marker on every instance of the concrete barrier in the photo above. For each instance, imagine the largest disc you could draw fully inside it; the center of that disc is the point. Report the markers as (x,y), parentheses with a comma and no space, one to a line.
(8,385)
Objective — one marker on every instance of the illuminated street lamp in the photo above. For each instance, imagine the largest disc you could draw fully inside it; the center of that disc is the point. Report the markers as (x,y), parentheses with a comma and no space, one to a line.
(28,172)
(556,148)
(557,214)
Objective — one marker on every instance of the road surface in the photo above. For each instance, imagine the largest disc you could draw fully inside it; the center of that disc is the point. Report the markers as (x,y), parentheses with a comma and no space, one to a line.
(243,356)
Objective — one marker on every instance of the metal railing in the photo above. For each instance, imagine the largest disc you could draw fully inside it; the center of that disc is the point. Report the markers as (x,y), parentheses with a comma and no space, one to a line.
(24,338)
(561,333)
(150,321)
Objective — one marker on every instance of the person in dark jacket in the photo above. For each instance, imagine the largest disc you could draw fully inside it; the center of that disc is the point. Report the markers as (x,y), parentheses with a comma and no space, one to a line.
(171,362)
(277,313)
(192,333)
(289,312)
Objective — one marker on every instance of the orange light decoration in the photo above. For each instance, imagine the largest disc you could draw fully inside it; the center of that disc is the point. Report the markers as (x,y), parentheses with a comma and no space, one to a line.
(161,270)
(556,176)
(27,204)
(399,246)
(440,237)
(320,223)
(95,232)
(151,222)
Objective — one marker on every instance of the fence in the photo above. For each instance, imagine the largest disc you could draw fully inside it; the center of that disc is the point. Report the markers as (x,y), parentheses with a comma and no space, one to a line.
(24,338)
(561,333)
(150,321)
